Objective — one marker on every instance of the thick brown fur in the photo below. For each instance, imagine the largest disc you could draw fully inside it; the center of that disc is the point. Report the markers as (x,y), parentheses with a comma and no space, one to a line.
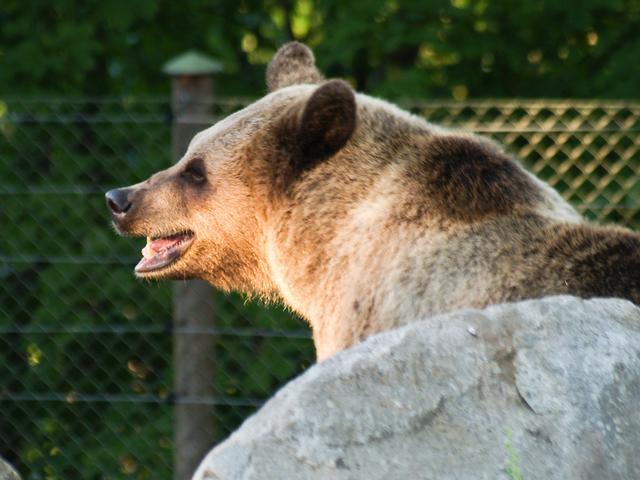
(293,65)
(362,217)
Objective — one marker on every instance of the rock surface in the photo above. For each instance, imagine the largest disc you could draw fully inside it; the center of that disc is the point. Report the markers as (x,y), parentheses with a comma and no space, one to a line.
(543,389)
(7,472)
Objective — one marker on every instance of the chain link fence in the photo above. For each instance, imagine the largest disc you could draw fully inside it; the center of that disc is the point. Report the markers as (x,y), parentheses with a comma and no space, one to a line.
(86,389)
(587,150)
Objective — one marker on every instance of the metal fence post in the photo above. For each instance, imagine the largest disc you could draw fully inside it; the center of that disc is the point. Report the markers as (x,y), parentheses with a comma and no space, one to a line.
(192,86)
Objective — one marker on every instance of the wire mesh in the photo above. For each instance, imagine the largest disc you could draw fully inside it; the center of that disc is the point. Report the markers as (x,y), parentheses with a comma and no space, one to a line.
(86,350)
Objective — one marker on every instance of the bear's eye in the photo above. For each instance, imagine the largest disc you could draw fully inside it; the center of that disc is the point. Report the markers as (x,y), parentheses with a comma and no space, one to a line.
(195,171)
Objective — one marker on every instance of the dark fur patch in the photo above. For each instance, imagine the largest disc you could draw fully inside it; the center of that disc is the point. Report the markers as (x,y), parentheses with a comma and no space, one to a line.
(307,134)
(293,64)
(328,120)
(468,178)
(367,326)
(596,262)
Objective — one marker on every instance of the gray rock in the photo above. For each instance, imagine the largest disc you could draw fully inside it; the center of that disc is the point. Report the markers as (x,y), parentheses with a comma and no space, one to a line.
(7,472)
(544,389)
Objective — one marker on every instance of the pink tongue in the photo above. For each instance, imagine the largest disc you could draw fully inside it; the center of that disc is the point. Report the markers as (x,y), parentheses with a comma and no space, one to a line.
(158,245)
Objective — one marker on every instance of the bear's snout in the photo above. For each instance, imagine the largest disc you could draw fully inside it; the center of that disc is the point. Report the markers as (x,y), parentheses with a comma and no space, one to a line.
(118,201)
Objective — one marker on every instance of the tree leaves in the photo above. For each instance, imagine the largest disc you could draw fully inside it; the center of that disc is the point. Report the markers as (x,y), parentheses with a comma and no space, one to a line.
(413,48)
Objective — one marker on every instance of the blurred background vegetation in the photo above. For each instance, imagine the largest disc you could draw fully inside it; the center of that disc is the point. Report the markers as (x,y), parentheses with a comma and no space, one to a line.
(85,350)
(409,48)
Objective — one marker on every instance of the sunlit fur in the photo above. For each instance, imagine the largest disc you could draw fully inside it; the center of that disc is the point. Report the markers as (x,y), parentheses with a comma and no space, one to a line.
(404,221)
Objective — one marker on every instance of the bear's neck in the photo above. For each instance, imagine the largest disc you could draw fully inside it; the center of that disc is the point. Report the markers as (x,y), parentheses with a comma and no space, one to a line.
(375,273)
(339,269)
(317,287)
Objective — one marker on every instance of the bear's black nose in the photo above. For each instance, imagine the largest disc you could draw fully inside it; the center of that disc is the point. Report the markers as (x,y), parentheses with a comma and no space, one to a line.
(118,200)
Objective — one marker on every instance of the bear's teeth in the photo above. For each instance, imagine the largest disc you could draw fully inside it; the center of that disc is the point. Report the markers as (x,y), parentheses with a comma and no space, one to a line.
(148,251)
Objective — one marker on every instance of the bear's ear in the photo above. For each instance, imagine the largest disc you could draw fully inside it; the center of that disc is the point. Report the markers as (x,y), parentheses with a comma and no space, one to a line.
(325,124)
(292,64)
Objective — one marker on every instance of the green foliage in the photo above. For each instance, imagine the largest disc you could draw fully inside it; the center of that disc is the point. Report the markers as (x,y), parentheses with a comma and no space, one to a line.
(413,48)
(512,469)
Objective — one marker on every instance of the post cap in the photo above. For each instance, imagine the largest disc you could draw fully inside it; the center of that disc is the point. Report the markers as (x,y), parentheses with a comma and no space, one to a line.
(192,63)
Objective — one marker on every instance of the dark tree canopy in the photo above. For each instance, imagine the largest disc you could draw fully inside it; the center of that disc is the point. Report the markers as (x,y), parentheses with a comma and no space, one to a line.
(409,48)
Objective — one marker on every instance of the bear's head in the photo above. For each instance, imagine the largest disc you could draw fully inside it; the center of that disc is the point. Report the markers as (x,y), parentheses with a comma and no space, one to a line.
(207,216)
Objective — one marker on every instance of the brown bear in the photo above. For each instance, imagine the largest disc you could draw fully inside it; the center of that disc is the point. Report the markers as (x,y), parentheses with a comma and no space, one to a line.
(362,217)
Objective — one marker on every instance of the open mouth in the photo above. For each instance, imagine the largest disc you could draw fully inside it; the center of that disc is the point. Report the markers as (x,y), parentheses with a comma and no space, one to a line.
(160,252)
